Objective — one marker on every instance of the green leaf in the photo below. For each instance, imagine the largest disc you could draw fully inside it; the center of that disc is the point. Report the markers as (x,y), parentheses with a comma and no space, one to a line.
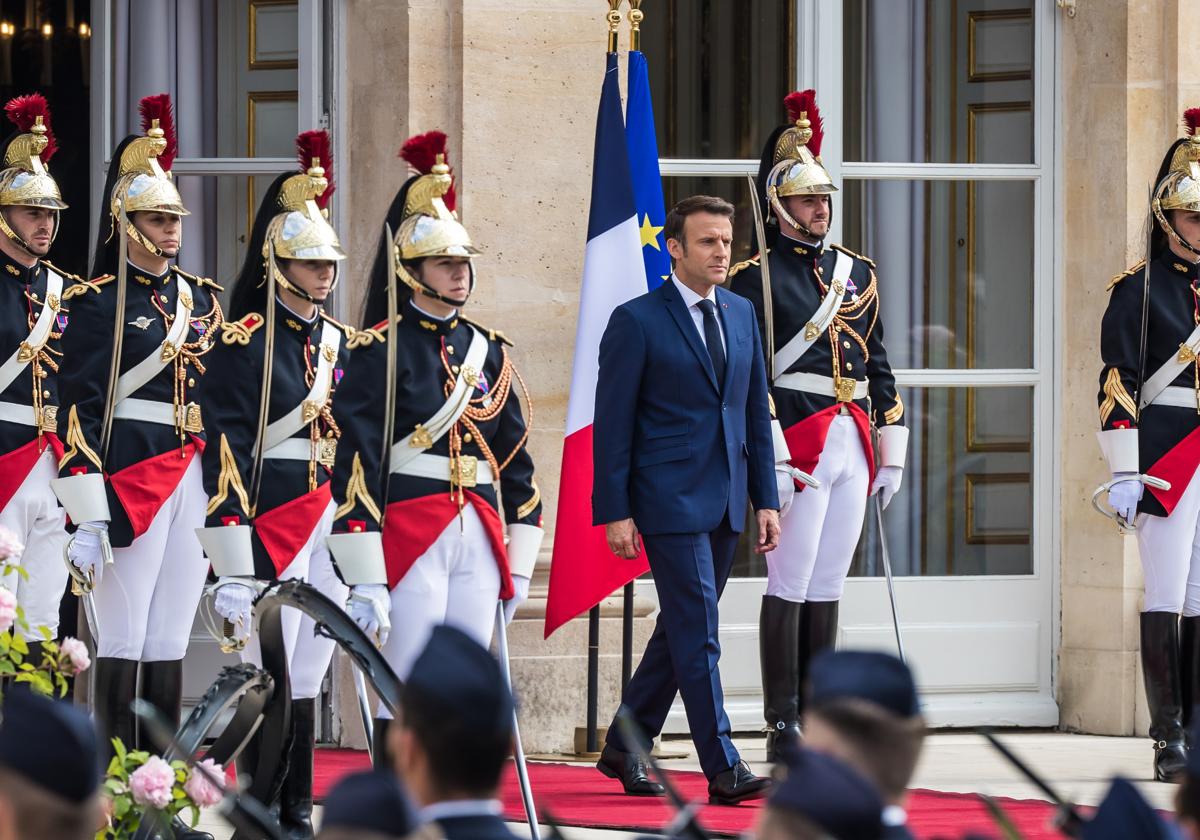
(47,635)
(121,807)
(120,750)
(20,645)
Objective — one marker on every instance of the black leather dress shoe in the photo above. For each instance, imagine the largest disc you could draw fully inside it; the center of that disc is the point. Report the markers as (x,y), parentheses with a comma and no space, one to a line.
(630,769)
(737,784)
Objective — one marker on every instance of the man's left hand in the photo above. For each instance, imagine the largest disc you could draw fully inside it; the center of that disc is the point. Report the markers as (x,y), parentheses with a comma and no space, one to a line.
(768,531)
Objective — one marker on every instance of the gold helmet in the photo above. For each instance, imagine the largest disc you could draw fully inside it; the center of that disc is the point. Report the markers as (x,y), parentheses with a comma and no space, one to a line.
(144,179)
(1178,186)
(300,229)
(429,226)
(795,160)
(25,181)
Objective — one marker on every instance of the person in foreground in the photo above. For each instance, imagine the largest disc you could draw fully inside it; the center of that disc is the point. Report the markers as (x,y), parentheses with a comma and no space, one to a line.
(821,798)
(454,736)
(683,442)
(367,806)
(49,770)
(862,708)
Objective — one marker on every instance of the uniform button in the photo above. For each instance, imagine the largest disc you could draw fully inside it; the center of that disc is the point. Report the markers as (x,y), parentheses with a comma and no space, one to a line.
(356,529)
(468,437)
(454,368)
(46,394)
(837,327)
(191,382)
(849,366)
(846,344)
(450,349)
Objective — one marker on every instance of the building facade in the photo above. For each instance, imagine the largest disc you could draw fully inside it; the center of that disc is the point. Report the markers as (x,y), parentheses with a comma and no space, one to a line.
(994,158)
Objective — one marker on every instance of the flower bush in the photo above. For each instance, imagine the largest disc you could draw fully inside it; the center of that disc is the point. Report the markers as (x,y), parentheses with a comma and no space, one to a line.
(138,782)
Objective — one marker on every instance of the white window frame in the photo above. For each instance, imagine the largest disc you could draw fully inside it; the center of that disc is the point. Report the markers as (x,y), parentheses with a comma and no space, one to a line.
(819,66)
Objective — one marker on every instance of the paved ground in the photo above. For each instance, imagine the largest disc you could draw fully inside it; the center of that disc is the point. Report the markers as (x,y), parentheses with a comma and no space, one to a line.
(1079,767)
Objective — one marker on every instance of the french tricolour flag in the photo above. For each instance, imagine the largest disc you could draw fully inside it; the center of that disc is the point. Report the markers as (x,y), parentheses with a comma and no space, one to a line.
(583,571)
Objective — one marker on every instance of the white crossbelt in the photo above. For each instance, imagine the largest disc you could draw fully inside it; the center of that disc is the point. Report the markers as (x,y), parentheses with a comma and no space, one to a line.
(1178,396)
(815,383)
(821,319)
(17,413)
(1160,381)
(292,449)
(38,336)
(149,367)
(281,431)
(147,411)
(437,467)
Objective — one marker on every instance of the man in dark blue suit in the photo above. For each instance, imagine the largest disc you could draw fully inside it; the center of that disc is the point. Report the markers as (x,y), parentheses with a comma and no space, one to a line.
(682,438)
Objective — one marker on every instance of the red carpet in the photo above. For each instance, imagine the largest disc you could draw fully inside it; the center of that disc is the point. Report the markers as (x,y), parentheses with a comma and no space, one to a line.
(577,795)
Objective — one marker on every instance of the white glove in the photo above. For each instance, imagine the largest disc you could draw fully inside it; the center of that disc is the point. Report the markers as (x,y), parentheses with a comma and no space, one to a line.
(370,606)
(1124,496)
(520,596)
(887,481)
(233,601)
(88,549)
(786,486)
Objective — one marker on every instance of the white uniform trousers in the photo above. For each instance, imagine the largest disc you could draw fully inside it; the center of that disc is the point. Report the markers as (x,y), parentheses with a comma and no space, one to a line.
(821,530)
(33,515)
(308,654)
(146,601)
(456,581)
(1170,550)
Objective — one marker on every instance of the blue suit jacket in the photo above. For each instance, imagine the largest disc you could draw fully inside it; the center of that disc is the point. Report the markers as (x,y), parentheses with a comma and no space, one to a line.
(671,448)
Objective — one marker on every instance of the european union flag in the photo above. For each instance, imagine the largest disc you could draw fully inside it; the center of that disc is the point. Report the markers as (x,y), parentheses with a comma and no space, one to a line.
(642,144)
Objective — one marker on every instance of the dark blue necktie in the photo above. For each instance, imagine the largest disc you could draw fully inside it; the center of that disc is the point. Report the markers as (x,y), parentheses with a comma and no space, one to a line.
(712,337)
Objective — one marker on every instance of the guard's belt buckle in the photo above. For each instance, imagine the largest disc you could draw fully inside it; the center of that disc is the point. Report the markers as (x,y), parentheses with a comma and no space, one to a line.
(845,390)
(465,471)
(190,419)
(327,452)
(49,419)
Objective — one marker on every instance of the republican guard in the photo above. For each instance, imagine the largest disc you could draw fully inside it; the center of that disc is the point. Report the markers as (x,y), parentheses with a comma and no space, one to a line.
(839,416)
(32,318)
(132,424)
(267,475)
(438,510)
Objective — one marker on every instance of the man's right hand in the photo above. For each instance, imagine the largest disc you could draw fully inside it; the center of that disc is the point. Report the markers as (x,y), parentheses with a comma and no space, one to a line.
(86,550)
(623,539)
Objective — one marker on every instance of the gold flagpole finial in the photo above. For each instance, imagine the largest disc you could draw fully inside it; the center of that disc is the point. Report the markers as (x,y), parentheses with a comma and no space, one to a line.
(636,16)
(614,23)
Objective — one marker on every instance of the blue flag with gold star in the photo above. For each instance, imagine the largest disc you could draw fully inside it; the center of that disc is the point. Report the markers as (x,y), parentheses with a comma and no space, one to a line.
(642,144)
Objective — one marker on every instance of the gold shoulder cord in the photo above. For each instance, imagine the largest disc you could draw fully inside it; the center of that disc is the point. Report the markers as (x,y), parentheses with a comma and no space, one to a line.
(847,313)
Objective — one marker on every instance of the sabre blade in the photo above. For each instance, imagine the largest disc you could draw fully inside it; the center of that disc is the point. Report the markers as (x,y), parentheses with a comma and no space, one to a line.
(764,267)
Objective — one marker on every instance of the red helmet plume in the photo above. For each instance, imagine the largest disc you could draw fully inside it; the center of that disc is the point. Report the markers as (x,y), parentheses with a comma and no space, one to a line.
(158,107)
(805,101)
(421,151)
(316,145)
(23,112)
(1191,119)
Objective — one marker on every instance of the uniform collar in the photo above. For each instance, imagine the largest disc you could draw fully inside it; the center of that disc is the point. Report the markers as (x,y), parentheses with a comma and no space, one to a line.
(292,324)
(15,271)
(809,250)
(428,324)
(141,277)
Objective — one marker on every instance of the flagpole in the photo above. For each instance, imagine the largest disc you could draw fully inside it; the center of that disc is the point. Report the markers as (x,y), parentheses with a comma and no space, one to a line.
(636,16)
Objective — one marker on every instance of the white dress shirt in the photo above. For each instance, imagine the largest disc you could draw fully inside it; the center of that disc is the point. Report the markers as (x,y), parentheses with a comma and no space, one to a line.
(460,808)
(692,301)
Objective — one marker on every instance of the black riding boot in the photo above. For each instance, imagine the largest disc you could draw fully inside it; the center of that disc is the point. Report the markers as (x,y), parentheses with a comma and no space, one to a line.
(116,686)
(1189,667)
(778,636)
(381,758)
(818,632)
(1164,692)
(162,687)
(296,800)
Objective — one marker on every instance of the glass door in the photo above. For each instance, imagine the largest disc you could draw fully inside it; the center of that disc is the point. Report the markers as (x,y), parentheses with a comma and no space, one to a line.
(939,121)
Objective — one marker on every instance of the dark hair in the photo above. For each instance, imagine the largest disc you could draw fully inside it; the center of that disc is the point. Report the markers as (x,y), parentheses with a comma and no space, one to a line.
(375,303)
(249,292)
(462,760)
(1187,798)
(1158,237)
(883,746)
(677,218)
(38,812)
(107,238)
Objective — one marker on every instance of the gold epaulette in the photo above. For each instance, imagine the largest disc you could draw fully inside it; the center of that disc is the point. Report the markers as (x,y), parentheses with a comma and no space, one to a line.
(199,281)
(346,329)
(239,332)
(493,335)
(1133,269)
(848,252)
(85,286)
(752,261)
(66,274)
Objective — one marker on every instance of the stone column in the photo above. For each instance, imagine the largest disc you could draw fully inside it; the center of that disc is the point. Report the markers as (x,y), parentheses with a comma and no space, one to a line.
(1124,68)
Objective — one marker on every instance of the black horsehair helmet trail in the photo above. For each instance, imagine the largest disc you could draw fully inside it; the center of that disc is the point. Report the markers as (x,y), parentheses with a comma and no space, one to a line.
(25,181)
(1178,184)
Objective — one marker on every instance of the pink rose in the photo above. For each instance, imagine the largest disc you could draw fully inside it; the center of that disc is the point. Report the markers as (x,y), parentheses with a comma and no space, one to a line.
(8,609)
(10,546)
(77,652)
(203,792)
(151,783)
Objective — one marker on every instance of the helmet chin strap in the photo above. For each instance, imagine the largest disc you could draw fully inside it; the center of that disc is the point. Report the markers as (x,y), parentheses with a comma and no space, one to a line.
(282,281)
(424,289)
(140,238)
(1172,234)
(776,204)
